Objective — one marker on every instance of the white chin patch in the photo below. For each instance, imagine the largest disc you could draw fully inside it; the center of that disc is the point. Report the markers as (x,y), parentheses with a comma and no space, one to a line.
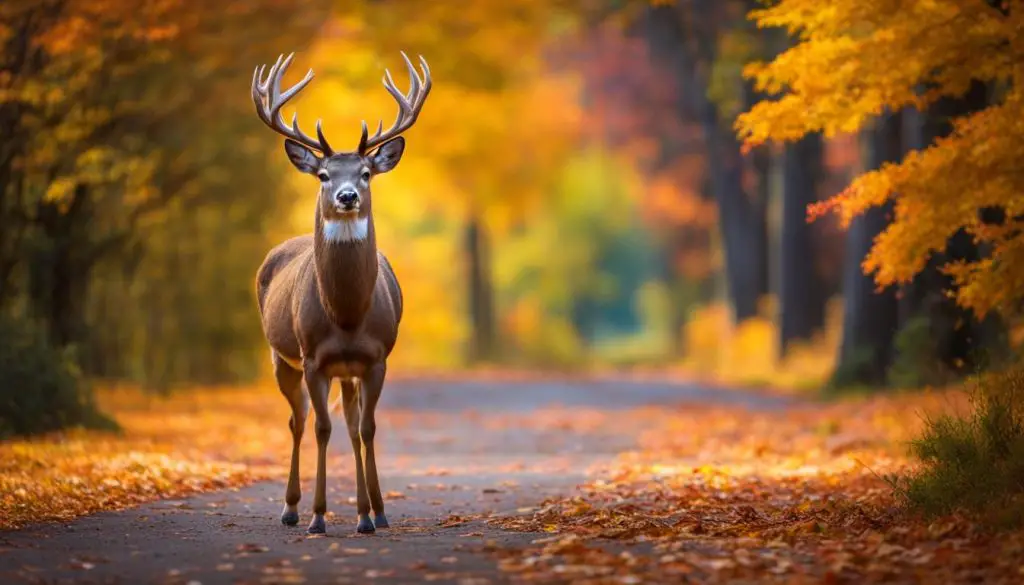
(346,230)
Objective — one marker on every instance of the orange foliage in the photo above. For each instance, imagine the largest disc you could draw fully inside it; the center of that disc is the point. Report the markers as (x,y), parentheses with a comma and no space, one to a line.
(171,447)
(856,59)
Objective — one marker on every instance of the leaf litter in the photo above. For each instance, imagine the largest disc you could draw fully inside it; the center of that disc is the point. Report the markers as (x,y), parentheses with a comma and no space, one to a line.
(725,495)
(710,494)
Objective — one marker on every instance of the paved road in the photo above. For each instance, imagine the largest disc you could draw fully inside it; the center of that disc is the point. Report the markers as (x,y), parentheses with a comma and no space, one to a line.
(452,453)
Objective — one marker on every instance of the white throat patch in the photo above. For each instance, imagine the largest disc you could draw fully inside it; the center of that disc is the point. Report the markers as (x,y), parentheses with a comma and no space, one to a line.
(346,230)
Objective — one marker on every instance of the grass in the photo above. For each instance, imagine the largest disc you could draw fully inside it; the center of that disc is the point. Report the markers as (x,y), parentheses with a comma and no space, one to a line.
(973,461)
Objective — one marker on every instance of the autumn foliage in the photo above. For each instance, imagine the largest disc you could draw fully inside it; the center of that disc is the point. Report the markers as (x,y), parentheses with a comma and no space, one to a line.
(856,59)
(591,186)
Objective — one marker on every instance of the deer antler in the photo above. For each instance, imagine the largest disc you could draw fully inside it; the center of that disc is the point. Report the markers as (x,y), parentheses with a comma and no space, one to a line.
(267,95)
(409,105)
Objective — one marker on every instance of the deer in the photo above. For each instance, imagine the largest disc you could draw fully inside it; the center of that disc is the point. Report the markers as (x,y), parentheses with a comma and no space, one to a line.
(330,303)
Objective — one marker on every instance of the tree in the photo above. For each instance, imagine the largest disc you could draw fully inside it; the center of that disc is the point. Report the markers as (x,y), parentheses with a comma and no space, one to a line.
(855,60)
(801,291)
(122,125)
(869,315)
(957,339)
(685,38)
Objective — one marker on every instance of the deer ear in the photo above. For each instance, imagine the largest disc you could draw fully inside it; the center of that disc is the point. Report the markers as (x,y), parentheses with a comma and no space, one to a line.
(303,158)
(388,155)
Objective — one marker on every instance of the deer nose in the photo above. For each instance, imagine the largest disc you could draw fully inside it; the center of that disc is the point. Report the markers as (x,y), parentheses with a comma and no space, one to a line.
(347,198)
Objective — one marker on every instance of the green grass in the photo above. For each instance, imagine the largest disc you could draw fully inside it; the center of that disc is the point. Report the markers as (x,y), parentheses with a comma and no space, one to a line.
(974,462)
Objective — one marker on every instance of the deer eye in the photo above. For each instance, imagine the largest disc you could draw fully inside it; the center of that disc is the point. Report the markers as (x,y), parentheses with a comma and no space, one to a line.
(323,176)
(366,175)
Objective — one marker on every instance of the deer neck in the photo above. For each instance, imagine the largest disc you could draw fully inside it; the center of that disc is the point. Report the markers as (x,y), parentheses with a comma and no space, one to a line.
(345,256)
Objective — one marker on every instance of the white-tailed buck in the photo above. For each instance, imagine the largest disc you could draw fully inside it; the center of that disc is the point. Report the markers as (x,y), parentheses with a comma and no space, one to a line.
(329,301)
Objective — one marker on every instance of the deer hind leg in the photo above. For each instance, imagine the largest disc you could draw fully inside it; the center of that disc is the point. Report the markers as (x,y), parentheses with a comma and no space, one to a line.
(289,381)
(350,403)
(372,385)
(318,387)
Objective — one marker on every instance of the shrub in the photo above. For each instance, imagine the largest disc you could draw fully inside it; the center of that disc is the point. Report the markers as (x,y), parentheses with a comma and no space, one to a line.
(917,361)
(41,387)
(849,375)
(974,462)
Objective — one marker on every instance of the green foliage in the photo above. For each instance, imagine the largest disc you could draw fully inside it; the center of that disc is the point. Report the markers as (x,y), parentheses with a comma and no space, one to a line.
(917,362)
(41,387)
(850,373)
(597,290)
(974,462)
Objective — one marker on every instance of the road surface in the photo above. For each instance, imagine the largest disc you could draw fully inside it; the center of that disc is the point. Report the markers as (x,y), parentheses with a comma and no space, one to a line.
(450,454)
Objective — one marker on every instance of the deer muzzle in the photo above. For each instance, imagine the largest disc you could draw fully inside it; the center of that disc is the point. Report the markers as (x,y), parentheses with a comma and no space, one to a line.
(347,199)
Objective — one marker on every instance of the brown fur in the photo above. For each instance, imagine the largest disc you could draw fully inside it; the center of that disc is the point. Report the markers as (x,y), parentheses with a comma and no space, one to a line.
(330,308)
(338,304)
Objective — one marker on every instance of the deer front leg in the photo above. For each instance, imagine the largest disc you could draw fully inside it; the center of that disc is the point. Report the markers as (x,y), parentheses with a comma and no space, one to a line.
(372,385)
(319,386)
(289,381)
(350,403)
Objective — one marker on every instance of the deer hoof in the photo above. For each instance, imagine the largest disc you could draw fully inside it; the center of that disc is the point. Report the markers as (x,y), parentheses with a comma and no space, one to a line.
(365,526)
(317,525)
(380,520)
(289,517)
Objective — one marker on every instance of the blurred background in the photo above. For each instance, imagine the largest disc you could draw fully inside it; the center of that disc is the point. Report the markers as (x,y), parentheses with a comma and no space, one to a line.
(573,198)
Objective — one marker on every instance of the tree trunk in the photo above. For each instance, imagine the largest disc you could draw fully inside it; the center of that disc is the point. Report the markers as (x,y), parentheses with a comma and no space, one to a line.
(869,315)
(742,227)
(18,58)
(481,299)
(961,341)
(801,295)
(742,232)
(760,160)
(59,274)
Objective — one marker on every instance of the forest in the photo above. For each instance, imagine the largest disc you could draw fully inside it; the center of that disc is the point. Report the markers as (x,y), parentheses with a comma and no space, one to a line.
(139,195)
(818,197)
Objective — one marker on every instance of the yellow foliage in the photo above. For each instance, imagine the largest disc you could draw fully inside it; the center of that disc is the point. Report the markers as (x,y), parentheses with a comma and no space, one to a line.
(491,138)
(748,353)
(855,59)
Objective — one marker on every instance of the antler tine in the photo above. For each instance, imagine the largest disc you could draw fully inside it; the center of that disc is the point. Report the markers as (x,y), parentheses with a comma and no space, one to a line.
(409,104)
(380,128)
(414,78)
(427,82)
(269,99)
(321,138)
(403,104)
(257,97)
(267,87)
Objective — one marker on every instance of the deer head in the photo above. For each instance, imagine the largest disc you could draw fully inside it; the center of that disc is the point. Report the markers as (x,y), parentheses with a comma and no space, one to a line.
(344,202)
